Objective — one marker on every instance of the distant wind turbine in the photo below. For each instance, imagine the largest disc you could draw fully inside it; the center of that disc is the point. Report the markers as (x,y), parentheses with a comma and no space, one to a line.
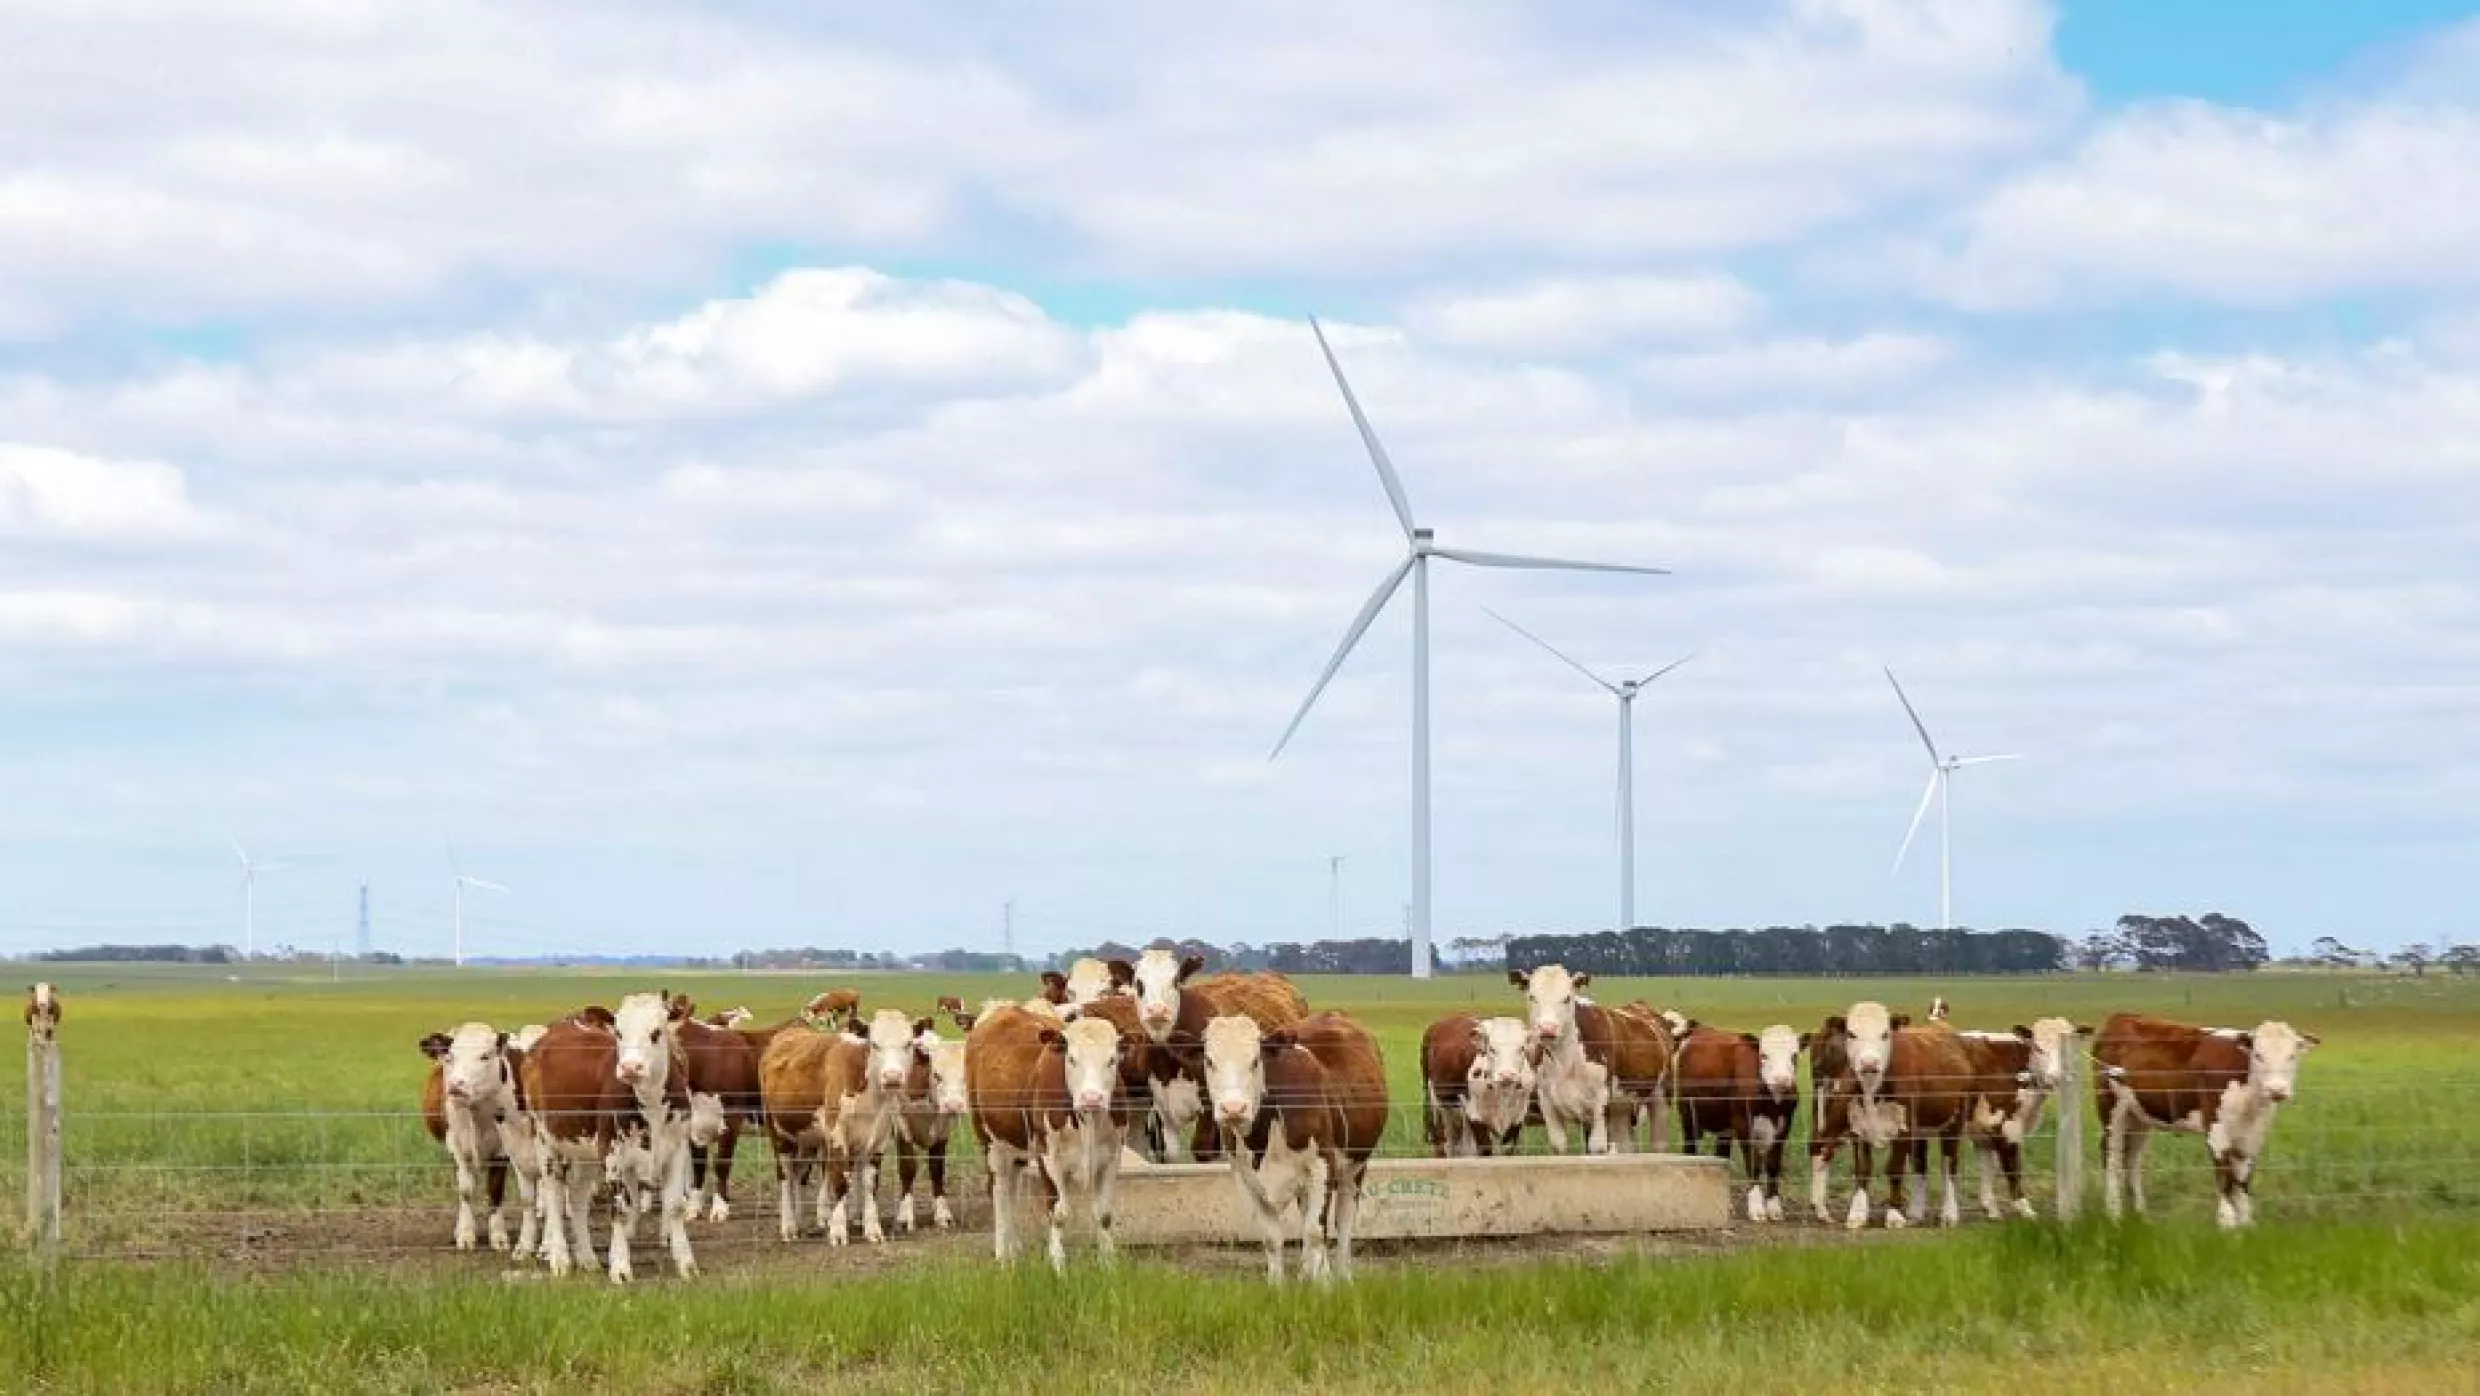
(1419,549)
(1941,774)
(1625,691)
(462,882)
(249,897)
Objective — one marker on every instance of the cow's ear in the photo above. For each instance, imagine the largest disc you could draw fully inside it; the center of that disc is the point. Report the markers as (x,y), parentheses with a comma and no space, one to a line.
(1581,980)
(2023,1032)
(2083,1030)
(1052,1039)
(1836,1027)
(1900,1021)
(682,1007)
(503,1042)
(2309,1039)
(963,1019)
(435,1046)
(1277,1040)
(2247,1041)
(1807,1039)
(1516,977)
(1751,1039)
(1054,986)
(923,1025)
(1189,967)
(1123,973)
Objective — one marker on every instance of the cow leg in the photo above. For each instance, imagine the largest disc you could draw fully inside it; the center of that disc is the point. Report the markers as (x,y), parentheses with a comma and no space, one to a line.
(1863,1163)
(1000,1161)
(1658,1122)
(1774,1176)
(465,1185)
(836,1187)
(1205,1139)
(1985,1148)
(2226,1211)
(625,1204)
(908,1164)
(1950,1163)
(1318,1178)
(1820,1167)
(1055,1205)
(552,1194)
(865,1182)
(1617,1126)
(1554,1129)
(2139,1141)
(495,1184)
(580,1197)
(787,1193)
(1911,1185)
(1102,1177)
(719,1207)
(2011,1159)
(675,1175)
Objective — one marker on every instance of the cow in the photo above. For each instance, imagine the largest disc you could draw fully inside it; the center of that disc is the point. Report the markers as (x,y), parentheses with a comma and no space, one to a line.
(1085,981)
(596,1092)
(1597,1068)
(2018,1071)
(861,1099)
(934,1099)
(949,1004)
(1902,1086)
(1742,1086)
(594,1016)
(2223,1083)
(1477,1083)
(836,1008)
(729,1018)
(42,1012)
(722,1067)
(1174,1013)
(1047,1103)
(792,1089)
(1301,1109)
(474,1104)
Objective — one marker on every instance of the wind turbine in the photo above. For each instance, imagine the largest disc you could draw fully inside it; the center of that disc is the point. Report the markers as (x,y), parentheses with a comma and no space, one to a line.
(1625,691)
(464,881)
(1420,547)
(249,897)
(1941,773)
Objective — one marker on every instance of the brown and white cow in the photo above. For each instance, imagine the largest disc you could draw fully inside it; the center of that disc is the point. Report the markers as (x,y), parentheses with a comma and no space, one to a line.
(610,1104)
(1301,1108)
(836,1008)
(1174,1007)
(792,1088)
(934,1100)
(2223,1083)
(1477,1084)
(722,1077)
(1742,1086)
(1902,1087)
(1598,1069)
(473,1103)
(861,1101)
(2019,1071)
(1086,980)
(729,1018)
(1047,1104)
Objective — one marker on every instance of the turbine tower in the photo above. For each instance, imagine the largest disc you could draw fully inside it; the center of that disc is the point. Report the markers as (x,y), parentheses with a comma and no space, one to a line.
(1625,691)
(1941,775)
(1420,547)
(462,882)
(249,897)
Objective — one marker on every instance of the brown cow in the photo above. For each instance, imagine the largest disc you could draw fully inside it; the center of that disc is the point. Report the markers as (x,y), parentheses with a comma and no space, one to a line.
(934,1099)
(792,1086)
(723,1096)
(1047,1103)
(862,1100)
(2018,1071)
(1477,1084)
(473,1103)
(42,1012)
(836,1008)
(1903,1087)
(615,1100)
(1598,1068)
(1174,1013)
(1302,1108)
(2223,1083)
(1742,1086)
(1086,980)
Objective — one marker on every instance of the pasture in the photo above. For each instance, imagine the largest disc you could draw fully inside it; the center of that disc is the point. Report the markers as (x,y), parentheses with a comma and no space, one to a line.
(261,1133)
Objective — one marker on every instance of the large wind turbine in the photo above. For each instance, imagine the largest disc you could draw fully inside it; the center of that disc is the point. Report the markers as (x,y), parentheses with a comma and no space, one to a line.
(462,882)
(1625,691)
(1420,547)
(1941,773)
(249,897)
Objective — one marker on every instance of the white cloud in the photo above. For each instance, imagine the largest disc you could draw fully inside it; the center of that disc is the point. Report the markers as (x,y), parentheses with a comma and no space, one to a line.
(1589,313)
(48,492)
(1810,367)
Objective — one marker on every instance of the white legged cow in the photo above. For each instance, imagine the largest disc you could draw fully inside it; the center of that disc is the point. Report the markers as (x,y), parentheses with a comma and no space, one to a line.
(2223,1083)
(474,1104)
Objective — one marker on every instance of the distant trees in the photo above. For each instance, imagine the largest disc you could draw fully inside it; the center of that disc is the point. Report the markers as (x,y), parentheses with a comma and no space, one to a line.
(1803,950)
(145,954)
(2211,944)
(2462,959)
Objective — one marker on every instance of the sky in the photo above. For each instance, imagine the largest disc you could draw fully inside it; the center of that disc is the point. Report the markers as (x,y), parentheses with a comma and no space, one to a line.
(751,474)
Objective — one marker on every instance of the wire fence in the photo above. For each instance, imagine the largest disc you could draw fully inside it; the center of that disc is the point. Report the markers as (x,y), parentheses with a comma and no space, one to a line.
(304,1184)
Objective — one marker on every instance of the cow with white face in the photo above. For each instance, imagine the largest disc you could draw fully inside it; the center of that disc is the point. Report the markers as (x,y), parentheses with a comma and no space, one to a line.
(2017,1072)
(863,1102)
(1574,1091)
(475,1106)
(934,1100)
(647,1061)
(1155,979)
(2223,1083)
(1477,1083)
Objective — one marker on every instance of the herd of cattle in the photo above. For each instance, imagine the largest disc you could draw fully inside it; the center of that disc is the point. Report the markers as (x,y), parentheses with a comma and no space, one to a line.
(646,1102)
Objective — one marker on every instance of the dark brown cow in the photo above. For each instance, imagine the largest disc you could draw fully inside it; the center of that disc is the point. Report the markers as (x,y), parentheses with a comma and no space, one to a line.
(723,1096)
(2223,1083)
(1477,1084)
(1742,1086)
(1047,1103)
(1302,1108)
(1903,1087)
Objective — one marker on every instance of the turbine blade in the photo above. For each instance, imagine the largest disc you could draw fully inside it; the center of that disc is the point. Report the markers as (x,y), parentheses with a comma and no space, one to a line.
(1926,795)
(1640,683)
(485,884)
(238,852)
(1917,724)
(1554,652)
(1360,624)
(1985,760)
(1547,564)
(1369,436)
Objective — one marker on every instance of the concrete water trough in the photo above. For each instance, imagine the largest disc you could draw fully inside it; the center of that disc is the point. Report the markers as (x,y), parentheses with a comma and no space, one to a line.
(1528,1195)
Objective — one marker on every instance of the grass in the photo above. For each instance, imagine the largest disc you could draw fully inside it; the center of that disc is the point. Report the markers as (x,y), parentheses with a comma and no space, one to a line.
(2304,1306)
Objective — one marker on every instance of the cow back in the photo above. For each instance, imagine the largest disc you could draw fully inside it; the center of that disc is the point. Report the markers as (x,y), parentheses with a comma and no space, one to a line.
(792,1079)
(1013,1081)
(1932,1071)
(721,1062)
(570,1079)
(1447,1054)
(1271,1000)
(2174,1069)
(1716,1072)
(435,1103)
(1355,1079)
(1636,1051)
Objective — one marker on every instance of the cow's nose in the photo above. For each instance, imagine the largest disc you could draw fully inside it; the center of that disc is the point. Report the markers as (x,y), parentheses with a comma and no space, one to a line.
(891,1078)
(1235,1109)
(1546,1029)
(2278,1093)
(1091,1100)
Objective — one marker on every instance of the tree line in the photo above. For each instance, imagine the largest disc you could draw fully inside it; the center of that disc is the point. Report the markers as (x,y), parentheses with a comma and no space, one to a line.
(1793,950)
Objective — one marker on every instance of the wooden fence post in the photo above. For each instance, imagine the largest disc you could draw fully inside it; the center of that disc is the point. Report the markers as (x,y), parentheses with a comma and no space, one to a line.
(43,1122)
(2074,1098)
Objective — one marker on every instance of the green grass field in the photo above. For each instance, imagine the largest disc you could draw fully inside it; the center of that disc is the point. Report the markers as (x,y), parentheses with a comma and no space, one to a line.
(197,1105)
